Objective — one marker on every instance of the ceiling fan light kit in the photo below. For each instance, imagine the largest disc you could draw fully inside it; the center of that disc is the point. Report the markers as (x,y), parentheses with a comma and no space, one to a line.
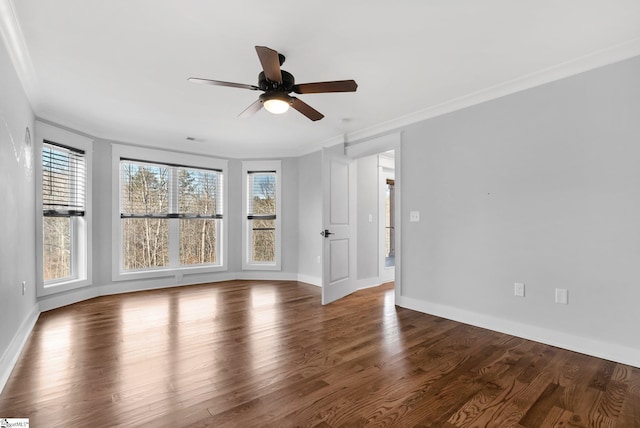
(275,103)
(277,84)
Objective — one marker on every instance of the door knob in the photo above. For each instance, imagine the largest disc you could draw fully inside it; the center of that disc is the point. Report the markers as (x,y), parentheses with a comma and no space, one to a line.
(326,233)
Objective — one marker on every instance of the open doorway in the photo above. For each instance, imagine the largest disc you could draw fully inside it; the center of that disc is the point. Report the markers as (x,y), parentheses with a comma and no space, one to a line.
(376,213)
(375,230)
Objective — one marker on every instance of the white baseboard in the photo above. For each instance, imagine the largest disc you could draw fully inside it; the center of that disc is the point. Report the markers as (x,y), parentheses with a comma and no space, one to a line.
(308,279)
(79,295)
(54,301)
(266,275)
(12,353)
(160,283)
(584,345)
(361,284)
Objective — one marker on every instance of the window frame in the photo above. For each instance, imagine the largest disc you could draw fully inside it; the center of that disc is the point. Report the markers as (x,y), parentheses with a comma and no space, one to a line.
(256,166)
(172,159)
(81,226)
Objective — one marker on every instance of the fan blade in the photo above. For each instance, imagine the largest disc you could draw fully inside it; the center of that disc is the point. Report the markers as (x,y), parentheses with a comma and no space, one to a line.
(306,109)
(221,83)
(251,110)
(320,87)
(270,63)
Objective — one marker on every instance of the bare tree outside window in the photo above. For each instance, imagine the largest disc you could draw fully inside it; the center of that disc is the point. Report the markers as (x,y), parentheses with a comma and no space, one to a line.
(197,196)
(56,248)
(145,193)
(262,215)
(156,198)
(63,187)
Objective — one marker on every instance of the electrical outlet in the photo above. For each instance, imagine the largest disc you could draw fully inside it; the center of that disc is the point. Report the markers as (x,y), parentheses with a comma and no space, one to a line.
(562,296)
(518,289)
(414,216)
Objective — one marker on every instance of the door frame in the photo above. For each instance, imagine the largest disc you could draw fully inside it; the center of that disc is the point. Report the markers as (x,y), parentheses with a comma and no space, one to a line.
(373,146)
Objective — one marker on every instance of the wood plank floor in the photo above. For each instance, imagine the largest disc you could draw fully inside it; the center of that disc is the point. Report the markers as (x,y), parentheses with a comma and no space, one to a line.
(267,354)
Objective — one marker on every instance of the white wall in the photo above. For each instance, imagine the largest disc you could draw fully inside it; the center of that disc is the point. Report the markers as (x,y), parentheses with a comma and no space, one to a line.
(540,187)
(18,312)
(310,218)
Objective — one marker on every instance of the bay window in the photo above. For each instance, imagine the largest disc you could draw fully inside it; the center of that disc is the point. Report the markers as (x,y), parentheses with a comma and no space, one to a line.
(170,215)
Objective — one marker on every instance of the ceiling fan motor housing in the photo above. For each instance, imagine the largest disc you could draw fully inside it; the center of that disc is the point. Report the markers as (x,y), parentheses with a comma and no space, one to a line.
(268,86)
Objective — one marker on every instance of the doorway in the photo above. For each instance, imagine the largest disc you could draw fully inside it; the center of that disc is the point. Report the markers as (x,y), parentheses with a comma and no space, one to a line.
(376,226)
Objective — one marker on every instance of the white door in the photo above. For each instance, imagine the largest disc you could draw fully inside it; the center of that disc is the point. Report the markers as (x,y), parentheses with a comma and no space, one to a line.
(338,218)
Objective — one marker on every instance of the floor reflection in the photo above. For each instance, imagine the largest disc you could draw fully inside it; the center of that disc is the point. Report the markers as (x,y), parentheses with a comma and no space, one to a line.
(392,338)
(264,329)
(54,354)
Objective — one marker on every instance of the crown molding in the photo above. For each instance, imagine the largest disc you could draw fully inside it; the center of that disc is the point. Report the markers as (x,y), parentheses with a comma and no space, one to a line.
(314,147)
(600,58)
(13,38)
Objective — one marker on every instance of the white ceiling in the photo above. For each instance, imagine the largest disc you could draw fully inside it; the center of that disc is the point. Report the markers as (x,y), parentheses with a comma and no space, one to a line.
(118,69)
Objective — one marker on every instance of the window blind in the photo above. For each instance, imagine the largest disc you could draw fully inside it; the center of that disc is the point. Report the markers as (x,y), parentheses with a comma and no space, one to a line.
(63,180)
(153,190)
(261,195)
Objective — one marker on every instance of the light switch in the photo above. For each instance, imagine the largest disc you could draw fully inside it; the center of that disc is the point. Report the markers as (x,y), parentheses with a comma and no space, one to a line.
(518,289)
(414,216)
(562,296)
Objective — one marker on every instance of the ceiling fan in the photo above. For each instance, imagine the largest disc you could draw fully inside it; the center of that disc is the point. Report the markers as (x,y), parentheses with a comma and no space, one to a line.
(277,84)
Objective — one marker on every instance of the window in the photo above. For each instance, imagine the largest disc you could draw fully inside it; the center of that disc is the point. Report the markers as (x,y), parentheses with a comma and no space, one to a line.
(63,196)
(170,216)
(262,222)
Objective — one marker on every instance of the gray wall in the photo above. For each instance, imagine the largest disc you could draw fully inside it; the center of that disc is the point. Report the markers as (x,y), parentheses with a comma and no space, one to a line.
(290,194)
(17,216)
(540,187)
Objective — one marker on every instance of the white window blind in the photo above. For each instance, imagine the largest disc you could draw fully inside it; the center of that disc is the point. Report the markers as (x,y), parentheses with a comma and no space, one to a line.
(63,181)
(261,195)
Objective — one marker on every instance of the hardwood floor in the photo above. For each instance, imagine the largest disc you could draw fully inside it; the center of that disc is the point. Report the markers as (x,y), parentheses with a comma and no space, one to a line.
(255,354)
